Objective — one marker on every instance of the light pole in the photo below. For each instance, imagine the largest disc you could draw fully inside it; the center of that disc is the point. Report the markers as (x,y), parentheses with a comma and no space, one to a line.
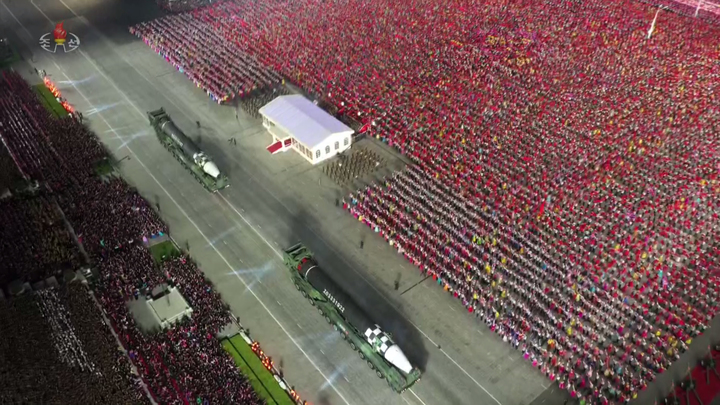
(652,26)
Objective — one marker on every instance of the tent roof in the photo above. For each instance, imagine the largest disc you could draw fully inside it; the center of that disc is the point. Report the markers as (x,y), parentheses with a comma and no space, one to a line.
(301,118)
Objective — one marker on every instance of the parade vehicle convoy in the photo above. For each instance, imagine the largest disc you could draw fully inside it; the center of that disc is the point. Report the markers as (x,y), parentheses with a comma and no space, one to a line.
(374,345)
(186,152)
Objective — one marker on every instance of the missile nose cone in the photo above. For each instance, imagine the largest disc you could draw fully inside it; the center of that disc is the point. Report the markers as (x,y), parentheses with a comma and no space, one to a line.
(211,169)
(395,356)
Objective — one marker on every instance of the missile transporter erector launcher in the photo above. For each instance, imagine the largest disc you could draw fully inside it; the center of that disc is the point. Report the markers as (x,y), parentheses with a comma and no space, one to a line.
(186,152)
(374,345)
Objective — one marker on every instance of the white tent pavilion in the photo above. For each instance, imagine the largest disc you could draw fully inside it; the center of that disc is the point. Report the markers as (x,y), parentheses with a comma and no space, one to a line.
(297,123)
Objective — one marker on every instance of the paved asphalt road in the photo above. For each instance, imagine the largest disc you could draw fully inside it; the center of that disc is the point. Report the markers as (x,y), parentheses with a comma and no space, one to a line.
(274,201)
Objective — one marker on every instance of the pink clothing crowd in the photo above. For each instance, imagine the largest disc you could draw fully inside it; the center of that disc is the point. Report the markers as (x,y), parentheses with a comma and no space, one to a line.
(180,365)
(179,6)
(210,61)
(566,179)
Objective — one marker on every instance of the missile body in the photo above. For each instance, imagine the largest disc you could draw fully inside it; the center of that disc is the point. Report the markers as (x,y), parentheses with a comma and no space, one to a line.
(354,315)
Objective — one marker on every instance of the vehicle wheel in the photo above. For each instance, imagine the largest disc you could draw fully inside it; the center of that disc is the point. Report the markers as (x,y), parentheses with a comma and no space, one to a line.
(352,346)
(321,311)
(312,301)
(362,355)
(327,318)
(304,294)
(297,286)
(379,374)
(372,366)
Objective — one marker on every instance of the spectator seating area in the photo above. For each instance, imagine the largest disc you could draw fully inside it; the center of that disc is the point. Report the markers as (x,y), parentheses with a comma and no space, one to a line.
(565,187)
(35,242)
(56,349)
(178,6)
(10,176)
(53,339)
(186,363)
(210,61)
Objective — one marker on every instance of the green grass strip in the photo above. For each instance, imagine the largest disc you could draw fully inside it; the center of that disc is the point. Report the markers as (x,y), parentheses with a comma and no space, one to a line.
(44,102)
(245,370)
(163,251)
(49,101)
(277,394)
(104,167)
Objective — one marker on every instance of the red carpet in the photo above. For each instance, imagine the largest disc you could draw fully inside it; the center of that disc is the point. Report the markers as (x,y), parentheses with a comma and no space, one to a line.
(707,384)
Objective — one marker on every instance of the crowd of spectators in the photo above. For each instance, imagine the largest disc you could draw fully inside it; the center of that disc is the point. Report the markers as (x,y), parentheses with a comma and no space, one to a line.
(186,363)
(67,345)
(10,176)
(54,344)
(80,363)
(566,180)
(210,61)
(179,6)
(89,208)
(35,242)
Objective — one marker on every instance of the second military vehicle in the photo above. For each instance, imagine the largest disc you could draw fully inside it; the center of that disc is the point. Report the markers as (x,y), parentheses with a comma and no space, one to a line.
(374,345)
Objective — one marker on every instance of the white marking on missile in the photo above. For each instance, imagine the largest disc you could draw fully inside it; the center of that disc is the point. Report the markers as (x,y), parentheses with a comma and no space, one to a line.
(149,172)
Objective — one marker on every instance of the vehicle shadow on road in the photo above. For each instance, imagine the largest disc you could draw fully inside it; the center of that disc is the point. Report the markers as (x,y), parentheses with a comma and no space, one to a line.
(380,308)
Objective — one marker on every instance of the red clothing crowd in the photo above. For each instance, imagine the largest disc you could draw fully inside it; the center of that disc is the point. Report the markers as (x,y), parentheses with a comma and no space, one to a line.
(180,365)
(566,179)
